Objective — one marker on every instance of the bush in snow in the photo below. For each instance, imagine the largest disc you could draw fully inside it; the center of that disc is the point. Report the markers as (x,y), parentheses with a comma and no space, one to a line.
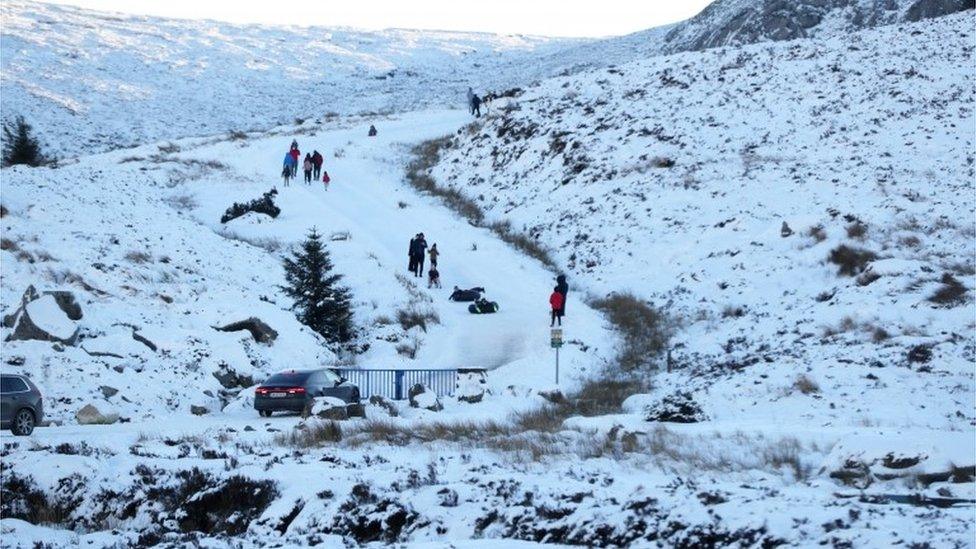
(410,318)
(320,302)
(20,145)
(678,407)
(851,260)
(264,205)
(645,329)
(951,292)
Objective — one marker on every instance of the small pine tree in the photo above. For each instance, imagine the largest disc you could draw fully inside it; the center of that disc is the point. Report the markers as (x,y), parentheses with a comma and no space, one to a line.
(19,145)
(320,302)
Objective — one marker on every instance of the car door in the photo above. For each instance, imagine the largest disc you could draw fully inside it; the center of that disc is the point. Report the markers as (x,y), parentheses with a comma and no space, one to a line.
(12,391)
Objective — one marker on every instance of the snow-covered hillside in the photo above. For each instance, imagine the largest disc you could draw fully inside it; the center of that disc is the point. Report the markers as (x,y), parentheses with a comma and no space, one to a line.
(674,178)
(801,212)
(92,81)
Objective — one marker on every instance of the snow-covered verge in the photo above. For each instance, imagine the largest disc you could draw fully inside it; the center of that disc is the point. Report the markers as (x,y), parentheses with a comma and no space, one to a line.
(806,209)
(91,81)
(233,483)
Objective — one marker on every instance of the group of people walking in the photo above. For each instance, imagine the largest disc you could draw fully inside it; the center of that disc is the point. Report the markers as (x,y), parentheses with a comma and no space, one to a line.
(311,166)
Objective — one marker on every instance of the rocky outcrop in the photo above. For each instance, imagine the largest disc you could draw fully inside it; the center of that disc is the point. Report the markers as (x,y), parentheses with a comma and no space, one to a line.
(261,332)
(737,22)
(49,316)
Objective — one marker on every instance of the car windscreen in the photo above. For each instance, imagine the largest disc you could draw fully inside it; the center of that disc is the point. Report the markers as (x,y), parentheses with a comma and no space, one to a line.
(294,379)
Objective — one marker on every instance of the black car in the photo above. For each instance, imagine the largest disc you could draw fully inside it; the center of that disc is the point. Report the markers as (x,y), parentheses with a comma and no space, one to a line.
(293,390)
(21,406)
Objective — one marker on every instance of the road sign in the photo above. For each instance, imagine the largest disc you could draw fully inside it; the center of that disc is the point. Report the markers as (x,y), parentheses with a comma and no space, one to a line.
(556,340)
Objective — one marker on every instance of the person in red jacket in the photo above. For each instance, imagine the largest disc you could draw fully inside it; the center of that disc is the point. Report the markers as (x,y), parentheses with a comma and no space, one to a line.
(556,302)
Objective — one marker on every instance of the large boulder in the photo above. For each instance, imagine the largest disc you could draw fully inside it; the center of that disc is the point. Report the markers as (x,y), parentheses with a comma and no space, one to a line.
(261,332)
(471,386)
(422,397)
(91,415)
(388,408)
(43,319)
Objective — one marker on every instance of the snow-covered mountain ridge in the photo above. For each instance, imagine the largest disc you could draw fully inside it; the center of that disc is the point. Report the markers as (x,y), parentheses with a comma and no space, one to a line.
(92,81)
(673,177)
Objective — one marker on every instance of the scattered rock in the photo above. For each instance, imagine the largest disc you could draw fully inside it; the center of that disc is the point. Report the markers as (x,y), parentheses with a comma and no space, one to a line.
(107,391)
(383,403)
(448,497)
(785,230)
(678,407)
(198,410)
(328,408)
(422,397)
(142,339)
(16,360)
(230,379)
(555,396)
(261,332)
(356,410)
(248,429)
(90,415)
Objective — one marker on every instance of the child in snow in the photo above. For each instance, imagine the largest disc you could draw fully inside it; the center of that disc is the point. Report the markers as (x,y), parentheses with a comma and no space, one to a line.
(433,277)
(433,253)
(556,302)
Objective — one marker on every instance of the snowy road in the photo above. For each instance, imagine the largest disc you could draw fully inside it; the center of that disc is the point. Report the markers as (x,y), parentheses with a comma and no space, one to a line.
(369,200)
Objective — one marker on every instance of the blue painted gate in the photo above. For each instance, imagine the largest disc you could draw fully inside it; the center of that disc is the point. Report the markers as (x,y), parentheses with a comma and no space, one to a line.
(395,384)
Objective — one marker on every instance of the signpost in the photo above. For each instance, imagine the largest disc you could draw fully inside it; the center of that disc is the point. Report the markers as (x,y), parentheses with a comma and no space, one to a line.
(556,341)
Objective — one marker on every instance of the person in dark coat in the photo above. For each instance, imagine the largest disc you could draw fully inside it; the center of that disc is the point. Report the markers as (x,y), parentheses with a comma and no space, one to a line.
(372,131)
(563,288)
(421,244)
(476,106)
(412,254)
(317,164)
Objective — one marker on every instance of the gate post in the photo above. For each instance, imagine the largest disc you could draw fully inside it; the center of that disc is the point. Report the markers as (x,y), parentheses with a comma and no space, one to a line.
(398,385)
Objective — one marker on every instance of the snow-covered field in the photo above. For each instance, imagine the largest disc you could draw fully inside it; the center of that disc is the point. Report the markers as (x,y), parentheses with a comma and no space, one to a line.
(835,409)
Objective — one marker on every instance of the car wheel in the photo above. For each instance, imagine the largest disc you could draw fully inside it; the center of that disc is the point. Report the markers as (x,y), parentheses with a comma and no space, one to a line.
(265,413)
(23,423)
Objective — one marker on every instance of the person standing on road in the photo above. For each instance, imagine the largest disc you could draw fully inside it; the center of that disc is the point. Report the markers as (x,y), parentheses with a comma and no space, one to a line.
(563,288)
(317,164)
(421,244)
(557,304)
(307,168)
(412,254)
(289,168)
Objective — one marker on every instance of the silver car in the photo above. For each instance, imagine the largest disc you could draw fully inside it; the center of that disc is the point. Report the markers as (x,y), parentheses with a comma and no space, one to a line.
(21,406)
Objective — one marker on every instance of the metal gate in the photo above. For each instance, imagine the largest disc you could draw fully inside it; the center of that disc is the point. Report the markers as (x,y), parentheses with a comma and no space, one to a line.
(395,384)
